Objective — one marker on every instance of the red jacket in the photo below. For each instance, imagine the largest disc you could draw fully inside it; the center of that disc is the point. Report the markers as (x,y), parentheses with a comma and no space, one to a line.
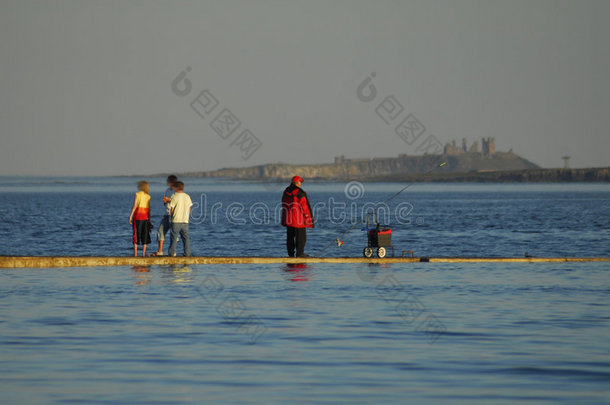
(296,211)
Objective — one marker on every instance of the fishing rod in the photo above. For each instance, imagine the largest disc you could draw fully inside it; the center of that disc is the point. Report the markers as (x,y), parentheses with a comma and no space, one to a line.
(338,240)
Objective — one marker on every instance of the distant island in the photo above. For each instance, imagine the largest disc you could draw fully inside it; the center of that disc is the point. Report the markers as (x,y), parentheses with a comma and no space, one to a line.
(463,164)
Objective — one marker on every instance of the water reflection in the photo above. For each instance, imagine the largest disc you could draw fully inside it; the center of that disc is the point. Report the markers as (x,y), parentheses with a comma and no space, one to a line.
(177,274)
(296,272)
(368,272)
(142,274)
(170,274)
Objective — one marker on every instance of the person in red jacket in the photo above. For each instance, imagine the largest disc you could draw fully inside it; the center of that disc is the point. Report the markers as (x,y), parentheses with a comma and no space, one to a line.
(296,217)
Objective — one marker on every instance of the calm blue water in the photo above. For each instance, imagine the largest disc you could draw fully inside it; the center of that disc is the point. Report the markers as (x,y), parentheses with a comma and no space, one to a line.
(89,217)
(410,333)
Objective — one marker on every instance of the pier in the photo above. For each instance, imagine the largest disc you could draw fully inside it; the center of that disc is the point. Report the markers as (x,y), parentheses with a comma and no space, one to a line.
(90,261)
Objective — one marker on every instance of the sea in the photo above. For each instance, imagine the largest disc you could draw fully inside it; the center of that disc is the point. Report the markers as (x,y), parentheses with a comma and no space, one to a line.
(421,333)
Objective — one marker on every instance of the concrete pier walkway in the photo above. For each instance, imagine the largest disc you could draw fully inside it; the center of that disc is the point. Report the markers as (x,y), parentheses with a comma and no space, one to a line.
(88,261)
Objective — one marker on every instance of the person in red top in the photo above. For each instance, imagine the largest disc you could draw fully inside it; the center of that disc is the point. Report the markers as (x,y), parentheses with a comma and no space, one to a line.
(140,218)
(296,217)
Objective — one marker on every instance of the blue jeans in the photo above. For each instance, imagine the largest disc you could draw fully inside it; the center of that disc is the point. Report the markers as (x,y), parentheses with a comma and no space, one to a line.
(164,226)
(182,229)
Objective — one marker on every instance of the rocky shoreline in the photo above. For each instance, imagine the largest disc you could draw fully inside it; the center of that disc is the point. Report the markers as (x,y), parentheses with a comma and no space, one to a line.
(596,174)
(402,165)
(587,175)
(461,166)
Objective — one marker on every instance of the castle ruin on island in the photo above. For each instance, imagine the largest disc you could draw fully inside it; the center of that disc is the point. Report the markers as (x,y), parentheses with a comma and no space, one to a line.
(488,147)
(459,159)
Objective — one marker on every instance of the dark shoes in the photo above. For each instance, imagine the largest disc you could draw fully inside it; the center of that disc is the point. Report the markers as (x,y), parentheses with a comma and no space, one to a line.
(301,255)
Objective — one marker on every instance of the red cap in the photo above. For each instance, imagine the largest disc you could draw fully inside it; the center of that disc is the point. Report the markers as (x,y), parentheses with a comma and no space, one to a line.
(297,178)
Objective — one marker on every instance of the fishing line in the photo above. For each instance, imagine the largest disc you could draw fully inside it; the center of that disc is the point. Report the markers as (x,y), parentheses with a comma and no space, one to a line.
(338,240)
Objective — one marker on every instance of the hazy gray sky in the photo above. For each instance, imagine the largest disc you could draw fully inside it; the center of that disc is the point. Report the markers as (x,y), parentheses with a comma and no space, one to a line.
(85,86)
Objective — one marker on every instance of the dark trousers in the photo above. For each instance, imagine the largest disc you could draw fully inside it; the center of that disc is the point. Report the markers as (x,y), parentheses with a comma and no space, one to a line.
(295,237)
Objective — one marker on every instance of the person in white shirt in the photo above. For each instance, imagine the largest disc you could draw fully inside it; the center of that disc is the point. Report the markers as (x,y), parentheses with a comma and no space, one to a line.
(165,224)
(180,209)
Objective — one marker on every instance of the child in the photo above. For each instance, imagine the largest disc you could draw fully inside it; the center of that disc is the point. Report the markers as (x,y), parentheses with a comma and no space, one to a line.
(180,208)
(165,225)
(139,218)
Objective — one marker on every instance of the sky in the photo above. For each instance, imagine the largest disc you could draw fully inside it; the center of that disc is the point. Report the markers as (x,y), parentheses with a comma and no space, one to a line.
(94,87)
